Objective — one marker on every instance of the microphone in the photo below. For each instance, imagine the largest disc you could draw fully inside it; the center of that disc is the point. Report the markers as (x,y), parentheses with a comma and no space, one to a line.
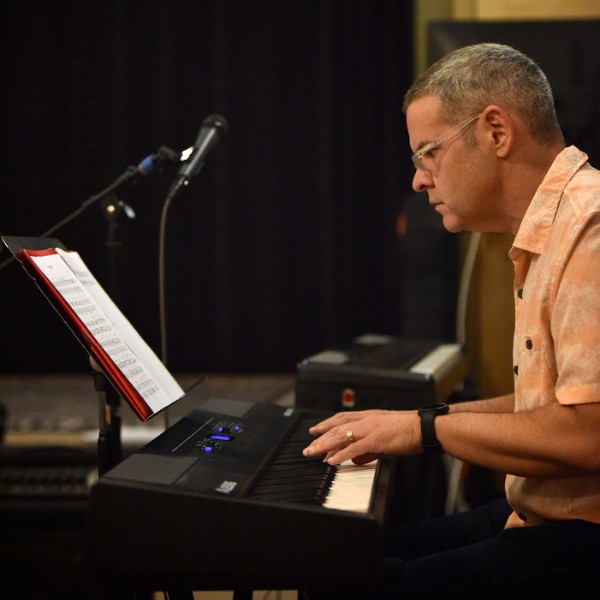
(210,134)
(154,162)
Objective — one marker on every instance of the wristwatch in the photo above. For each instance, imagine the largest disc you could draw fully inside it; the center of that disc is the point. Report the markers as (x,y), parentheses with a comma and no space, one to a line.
(428,414)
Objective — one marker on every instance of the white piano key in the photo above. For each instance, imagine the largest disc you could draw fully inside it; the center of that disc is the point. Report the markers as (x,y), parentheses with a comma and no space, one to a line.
(352,487)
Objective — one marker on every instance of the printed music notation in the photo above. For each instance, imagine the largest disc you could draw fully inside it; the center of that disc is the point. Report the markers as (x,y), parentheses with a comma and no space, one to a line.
(118,346)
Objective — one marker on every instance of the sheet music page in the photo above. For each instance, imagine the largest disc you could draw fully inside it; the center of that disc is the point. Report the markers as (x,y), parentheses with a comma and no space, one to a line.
(69,274)
(133,339)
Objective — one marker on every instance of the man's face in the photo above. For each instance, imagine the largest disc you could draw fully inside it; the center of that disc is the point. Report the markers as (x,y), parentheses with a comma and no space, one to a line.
(459,179)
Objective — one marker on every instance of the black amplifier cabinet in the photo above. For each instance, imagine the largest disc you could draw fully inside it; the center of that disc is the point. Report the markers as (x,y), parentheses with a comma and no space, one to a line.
(380,371)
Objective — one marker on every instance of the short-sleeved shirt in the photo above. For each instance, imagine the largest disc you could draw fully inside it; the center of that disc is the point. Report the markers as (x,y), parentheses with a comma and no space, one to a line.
(556,351)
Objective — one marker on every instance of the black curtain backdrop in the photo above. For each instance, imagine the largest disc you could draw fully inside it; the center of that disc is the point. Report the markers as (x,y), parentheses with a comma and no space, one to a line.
(286,241)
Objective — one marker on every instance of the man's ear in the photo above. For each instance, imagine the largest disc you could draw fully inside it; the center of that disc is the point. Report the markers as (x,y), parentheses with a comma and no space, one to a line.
(500,129)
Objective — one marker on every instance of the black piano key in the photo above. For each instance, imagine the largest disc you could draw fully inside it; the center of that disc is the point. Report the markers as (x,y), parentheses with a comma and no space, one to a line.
(298,482)
(292,494)
(292,477)
(272,478)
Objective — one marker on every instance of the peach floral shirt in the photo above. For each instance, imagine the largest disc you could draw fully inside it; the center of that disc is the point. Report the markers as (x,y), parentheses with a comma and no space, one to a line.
(556,349)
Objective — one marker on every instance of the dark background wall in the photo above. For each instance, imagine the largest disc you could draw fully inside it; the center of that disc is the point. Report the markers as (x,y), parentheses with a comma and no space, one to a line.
(286,241)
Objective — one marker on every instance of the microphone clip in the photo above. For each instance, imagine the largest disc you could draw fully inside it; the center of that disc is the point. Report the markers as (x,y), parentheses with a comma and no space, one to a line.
(160,159)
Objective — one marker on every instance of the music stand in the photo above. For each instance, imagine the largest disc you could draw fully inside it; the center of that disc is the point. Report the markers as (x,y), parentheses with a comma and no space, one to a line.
(109,381)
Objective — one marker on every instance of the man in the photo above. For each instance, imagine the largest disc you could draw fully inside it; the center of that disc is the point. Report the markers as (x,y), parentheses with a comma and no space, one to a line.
(489,152)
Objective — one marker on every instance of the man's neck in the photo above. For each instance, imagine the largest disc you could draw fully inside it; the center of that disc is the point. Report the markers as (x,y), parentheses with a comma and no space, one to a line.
(525,177)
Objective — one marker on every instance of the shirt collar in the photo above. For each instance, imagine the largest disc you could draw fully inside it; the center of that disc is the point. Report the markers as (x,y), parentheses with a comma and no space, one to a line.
(535,227)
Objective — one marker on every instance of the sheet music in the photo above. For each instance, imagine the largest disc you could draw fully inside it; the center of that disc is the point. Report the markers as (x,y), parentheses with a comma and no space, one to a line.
(112,331)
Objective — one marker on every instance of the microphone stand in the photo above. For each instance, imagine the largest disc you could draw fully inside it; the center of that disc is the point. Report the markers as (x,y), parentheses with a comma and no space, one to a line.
(114,210)
(130,174)
(109,431)
(109,401)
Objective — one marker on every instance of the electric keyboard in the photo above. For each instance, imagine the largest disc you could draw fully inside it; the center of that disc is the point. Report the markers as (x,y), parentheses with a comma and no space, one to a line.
(380,371)
(224,499)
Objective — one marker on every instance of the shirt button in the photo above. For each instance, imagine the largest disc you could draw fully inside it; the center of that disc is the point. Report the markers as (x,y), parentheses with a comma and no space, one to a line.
(516,369)
(520,293)
(529,344)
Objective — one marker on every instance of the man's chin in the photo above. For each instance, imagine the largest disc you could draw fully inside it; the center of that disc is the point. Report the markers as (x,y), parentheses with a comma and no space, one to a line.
(452,224)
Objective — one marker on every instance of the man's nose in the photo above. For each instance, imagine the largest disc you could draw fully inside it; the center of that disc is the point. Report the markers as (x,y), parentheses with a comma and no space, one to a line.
(422,181)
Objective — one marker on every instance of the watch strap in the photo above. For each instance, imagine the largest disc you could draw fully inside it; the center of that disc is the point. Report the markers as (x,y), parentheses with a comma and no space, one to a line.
(428,414)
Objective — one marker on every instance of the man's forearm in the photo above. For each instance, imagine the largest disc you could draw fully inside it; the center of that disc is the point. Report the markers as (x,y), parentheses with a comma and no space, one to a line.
(501,404)
(550,441)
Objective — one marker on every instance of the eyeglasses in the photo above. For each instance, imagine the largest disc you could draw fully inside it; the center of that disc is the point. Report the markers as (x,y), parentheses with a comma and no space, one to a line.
(417,157)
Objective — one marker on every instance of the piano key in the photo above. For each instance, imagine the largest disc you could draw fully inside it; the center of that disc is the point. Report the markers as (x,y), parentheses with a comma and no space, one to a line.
(352,487)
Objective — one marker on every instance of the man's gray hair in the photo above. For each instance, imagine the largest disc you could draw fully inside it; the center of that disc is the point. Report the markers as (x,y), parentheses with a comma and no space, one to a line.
(471,78)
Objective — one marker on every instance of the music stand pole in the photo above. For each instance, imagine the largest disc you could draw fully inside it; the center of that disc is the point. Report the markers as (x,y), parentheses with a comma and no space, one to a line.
(109,434)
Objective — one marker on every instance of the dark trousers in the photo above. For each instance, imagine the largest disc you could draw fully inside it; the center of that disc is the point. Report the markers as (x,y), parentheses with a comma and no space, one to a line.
(471,555)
